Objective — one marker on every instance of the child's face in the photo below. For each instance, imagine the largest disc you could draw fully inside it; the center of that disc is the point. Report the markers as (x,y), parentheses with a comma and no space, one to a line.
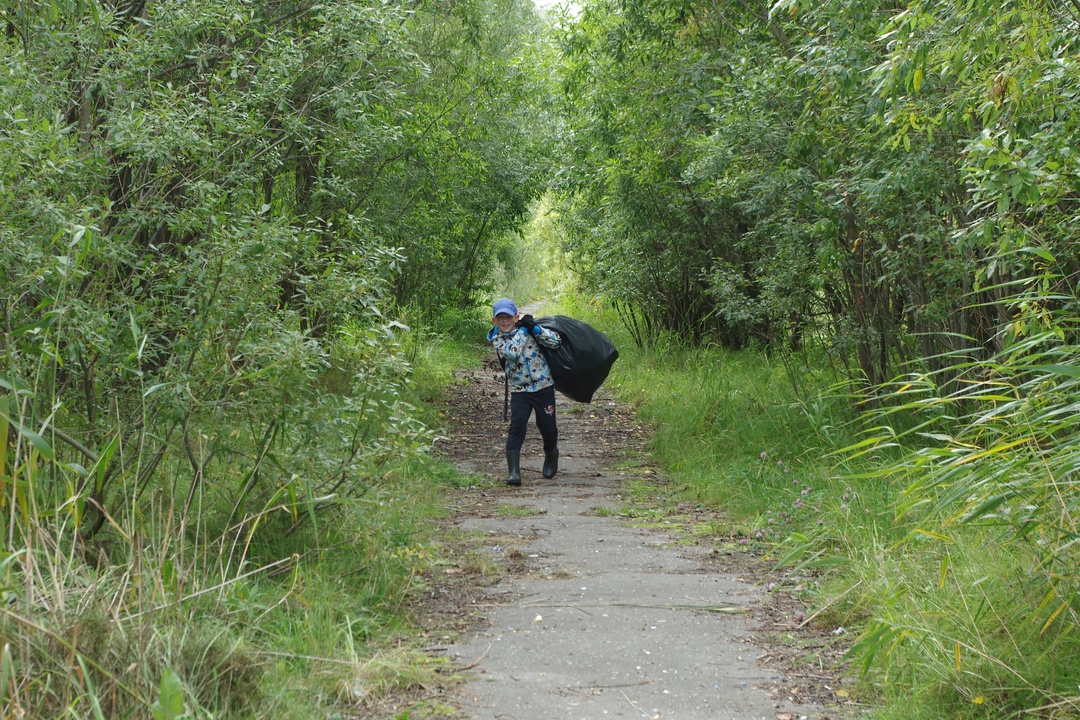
(505,322)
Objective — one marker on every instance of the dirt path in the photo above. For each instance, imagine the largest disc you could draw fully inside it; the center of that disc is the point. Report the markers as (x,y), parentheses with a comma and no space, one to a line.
(570,610)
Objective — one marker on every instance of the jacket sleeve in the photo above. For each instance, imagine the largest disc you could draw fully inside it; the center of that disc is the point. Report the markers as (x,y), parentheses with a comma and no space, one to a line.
(548,338)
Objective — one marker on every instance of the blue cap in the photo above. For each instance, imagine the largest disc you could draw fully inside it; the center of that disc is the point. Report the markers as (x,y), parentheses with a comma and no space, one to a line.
(505,306)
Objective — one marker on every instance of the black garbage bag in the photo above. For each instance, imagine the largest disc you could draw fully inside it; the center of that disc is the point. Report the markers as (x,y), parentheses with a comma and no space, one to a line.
(582,362)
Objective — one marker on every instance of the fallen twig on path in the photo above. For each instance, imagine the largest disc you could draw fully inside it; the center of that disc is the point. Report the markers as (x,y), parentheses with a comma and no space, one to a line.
(634,705)
(477,661)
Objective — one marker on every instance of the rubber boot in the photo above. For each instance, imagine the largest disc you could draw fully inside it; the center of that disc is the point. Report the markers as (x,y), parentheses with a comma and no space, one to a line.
(551,463)
(513,464)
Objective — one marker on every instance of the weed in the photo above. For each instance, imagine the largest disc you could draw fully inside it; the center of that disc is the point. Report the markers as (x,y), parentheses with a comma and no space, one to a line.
(394,671)
(520,511)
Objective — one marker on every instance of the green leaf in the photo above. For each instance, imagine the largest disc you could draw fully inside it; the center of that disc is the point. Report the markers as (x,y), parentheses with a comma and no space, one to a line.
(988,506)
(170,702)
(7,670)
(103,462)
(154,388)
(15,385)
(36,440)
(46,321)
(135,332)
(4,424)
(936,536)
(1072,371)
(91,691)
(880,635)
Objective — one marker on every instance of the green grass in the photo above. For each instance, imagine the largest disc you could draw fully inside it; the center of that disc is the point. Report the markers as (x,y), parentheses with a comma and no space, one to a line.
(435,357)
(517,511)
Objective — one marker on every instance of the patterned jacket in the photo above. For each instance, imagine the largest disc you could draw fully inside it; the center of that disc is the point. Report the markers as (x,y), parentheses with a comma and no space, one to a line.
(526,367)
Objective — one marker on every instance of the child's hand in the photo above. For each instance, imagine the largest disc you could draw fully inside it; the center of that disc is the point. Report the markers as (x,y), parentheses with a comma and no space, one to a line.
(528,323)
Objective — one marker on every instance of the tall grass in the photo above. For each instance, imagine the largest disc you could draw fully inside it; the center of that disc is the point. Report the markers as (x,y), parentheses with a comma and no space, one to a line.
(988,479)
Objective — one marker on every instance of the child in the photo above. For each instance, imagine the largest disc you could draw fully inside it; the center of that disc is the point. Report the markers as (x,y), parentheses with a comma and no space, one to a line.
(516,339)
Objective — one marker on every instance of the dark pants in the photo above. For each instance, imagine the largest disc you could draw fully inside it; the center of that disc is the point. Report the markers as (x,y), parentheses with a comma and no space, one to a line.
(522,405)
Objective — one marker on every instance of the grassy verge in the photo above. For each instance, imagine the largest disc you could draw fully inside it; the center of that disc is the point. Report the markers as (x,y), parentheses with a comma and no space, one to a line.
(731,432)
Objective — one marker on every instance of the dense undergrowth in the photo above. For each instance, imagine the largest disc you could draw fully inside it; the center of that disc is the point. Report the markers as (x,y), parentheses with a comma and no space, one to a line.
(282,609)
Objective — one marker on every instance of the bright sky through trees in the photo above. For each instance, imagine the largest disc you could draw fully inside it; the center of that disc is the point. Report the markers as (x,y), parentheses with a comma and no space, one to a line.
(544,5)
